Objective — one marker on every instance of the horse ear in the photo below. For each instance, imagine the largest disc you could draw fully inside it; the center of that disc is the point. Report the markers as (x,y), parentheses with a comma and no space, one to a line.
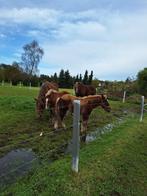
(105,96)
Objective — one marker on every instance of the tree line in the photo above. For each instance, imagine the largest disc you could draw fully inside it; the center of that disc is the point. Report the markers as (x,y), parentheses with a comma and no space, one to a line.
(27,71)
(15,73)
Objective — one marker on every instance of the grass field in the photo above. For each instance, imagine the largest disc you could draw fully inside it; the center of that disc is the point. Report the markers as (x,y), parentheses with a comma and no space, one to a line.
(113,164)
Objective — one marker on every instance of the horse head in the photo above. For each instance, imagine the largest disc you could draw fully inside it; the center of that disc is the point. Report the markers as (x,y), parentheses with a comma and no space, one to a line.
(48,97)
(104,103)
(78,87)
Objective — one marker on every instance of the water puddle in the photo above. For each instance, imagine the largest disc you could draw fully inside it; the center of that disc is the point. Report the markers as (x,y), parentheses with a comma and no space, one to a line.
(15,164)
(18,163)
(102,130)
(95,134)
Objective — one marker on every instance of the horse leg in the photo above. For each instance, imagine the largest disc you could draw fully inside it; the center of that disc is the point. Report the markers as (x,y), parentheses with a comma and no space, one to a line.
(83,131)
(59,116)
(84,126)
(63,112)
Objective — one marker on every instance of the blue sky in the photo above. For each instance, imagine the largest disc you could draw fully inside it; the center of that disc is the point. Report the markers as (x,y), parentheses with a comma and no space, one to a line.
(106,36)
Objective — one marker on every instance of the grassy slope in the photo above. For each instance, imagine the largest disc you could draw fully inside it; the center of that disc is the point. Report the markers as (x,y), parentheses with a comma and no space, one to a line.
(112,165)
(116,164)
(18,121)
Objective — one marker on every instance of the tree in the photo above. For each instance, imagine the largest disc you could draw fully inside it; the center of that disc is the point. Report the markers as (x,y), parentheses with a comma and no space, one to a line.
(31,57)
(55,77)
(90,77)
(11,73)
(95,82)
(80,79)
(142,81)
(62,79)
(68,79)
(85,79)
(77,78)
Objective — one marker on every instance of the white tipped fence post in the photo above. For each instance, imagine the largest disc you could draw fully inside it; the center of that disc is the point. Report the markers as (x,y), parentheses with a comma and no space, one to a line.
(19,84)
(30,85)
(124,96)
(76,136)
(3,83)
(142,108)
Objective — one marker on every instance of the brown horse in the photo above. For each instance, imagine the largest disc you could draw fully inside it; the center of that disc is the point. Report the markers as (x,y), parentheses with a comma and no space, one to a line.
(82,90)
(87,104)
(51,98)
(40,101)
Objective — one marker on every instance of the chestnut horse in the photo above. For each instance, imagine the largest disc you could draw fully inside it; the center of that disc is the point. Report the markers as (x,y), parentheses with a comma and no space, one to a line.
(51,98)
(40,100)
(87,104)
(82,90)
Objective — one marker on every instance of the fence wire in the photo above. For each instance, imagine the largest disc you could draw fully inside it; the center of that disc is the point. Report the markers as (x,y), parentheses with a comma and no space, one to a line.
(39,158)
(42,134)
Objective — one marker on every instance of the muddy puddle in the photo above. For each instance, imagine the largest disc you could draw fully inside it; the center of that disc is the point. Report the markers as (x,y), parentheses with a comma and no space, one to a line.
(102,130)
(20,162)
(15,164)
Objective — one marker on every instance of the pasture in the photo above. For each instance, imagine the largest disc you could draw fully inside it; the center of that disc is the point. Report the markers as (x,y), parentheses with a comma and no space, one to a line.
(113,164)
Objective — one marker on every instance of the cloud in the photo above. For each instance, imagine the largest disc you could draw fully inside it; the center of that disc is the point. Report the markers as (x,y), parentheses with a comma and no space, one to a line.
(112,43)
(115,47)
(88,30)
(2,35)
(37,17)
(76,5)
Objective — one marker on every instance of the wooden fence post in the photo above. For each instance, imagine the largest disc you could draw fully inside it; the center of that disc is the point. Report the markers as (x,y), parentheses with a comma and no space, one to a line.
(30,85)
(142,108)
(76,136)
(124,96)
(20,84)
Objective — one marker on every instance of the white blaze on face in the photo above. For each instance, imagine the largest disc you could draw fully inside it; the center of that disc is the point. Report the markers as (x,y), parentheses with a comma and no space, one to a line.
(105,96)
(46,103)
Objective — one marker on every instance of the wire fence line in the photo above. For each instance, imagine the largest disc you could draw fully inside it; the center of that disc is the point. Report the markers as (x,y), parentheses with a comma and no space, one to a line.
(33,160)
(40,135)
(19,84)
(39,158)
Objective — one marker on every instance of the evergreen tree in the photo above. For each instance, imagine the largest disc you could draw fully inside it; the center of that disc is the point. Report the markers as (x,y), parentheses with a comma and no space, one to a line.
(68,79)
(142,81)
(62,79)
(90,77)
(55,77)
(80,79)
(76,78)
(85,79)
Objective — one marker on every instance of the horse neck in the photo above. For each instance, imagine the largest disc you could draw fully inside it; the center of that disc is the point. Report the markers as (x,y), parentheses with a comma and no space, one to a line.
(41,97)
(96,102)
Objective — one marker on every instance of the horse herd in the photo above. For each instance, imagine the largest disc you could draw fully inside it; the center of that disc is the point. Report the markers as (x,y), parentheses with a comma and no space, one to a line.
(61,102)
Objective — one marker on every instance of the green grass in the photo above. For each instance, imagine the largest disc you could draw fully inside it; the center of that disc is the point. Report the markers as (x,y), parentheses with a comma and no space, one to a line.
(114,164)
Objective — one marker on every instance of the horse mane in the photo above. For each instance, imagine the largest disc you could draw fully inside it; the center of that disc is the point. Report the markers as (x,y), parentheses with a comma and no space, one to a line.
(50,91)
(56,92)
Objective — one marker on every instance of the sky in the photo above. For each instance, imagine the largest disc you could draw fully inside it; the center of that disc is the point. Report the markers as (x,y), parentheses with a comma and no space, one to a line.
(106,36)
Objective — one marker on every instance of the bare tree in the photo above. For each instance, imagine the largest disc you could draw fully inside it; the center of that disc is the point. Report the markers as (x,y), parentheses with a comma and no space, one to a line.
(31,57)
